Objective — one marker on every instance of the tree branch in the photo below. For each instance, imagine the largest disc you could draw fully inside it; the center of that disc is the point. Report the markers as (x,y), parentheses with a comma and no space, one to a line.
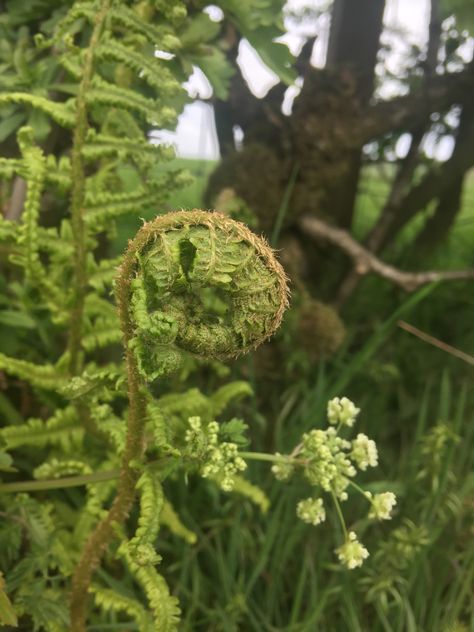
(366,262)
(437,93)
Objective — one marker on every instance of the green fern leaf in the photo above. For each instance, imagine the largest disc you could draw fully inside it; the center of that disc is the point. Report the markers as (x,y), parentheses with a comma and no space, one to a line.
(170,518)
(151,111)
(150,69)
(110,601)
(228,393)
(104,207)
(61,113)
(128,19)
(103,332)
(61,429)
(43,376)
(252,492)
(100,146)
(8,167)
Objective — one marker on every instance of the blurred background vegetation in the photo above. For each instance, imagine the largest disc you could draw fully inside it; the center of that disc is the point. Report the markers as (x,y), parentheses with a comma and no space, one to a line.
(355,154)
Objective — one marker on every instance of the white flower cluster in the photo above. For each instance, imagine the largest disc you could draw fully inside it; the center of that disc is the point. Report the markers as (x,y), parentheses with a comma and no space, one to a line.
(352,553)
(326,461)
(364,452)
(220,460)
(224,463)
(283,469)
(329,461)
(311,511)
(342,411)
(382,505)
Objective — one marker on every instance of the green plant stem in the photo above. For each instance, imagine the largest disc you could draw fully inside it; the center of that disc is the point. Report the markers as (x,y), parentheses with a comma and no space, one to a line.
(361,491)
(59,483)
(339,513)
(78,194)
(263,456)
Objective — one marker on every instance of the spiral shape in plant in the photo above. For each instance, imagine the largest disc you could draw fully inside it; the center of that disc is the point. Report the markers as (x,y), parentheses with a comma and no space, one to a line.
(202,283)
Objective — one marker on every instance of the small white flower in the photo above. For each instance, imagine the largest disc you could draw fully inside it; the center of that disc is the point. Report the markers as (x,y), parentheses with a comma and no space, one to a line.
(364,452)
(343,411)
(282,471)
(382,505)
(352,553)
(311,511)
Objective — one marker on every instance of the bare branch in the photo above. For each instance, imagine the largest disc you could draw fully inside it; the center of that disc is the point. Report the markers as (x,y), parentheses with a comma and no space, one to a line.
(366,262)
(436,342)
(438,93)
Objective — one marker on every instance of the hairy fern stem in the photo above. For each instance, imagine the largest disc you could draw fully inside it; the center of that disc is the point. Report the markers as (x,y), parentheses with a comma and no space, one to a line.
(78,194)
(104,532)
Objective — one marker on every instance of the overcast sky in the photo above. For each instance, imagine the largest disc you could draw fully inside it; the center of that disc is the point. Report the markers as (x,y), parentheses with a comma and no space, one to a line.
(195,135)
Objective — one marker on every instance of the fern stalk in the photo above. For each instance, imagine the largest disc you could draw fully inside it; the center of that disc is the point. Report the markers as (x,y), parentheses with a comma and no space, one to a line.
(78,193)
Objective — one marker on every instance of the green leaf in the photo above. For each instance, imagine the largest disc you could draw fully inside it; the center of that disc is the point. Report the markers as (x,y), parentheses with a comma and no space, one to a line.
(6,463)
(462,10)
(7,614)
(234,430)
(198,30)
(275,55)
(13,318)
(10,124)
(215,66)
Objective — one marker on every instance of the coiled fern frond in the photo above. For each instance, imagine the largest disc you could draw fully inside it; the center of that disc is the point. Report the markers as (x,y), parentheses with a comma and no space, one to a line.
(200,283)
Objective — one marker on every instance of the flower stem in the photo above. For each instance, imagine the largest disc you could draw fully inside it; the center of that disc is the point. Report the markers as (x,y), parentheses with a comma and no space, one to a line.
(339,513)
(59,483)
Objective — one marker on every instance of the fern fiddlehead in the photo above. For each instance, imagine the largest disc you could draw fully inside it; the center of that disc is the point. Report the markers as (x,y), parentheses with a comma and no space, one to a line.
(190,282)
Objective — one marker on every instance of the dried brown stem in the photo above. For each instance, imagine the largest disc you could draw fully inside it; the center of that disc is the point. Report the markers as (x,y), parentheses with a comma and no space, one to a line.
(436,342)
(366,262)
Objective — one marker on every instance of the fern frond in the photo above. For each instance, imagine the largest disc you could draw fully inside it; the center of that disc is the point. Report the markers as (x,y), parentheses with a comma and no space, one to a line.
(159,428)
(98,306)
(102,325)
(99,146)
(70,63)
(40,375)
(58,172)
(252,492)
(151,110)
(151,504)
(109,423)
(170,518)
(56,468)
(103,274)
(62,429)
(165,607)
(93,381)
(103,332)
(34,168)
(228,393)
(61,113)
(109,206)
(87,10)
(184,405)
(125,17)
(147,68)
(8,167)
(7,612)
(8,230)
(110,601)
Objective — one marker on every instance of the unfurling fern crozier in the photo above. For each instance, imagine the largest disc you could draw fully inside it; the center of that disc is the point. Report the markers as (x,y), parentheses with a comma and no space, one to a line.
(201,283)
